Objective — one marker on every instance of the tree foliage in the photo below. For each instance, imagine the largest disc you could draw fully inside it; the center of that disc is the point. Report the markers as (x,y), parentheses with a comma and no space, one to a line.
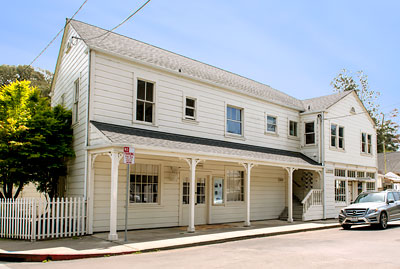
(39,78)
(386,128)
(35,140)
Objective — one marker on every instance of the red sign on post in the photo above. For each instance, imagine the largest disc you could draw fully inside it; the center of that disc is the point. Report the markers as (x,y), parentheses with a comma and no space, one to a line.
(129,155)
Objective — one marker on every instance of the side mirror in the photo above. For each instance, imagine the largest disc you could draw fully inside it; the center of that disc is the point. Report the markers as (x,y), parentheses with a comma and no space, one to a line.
(390,201)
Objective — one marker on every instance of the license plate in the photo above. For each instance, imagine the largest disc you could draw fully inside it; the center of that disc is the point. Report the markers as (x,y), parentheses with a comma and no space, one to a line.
(353,219)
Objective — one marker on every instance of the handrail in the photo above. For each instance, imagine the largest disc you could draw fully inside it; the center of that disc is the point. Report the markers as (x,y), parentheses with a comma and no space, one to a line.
(307,196)
(313,197)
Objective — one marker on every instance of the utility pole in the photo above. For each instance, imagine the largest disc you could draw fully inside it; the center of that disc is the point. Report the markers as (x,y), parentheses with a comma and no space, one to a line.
(384,144)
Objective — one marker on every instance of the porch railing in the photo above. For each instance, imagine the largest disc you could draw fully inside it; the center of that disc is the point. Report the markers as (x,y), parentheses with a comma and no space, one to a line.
(34,219)
(313,197)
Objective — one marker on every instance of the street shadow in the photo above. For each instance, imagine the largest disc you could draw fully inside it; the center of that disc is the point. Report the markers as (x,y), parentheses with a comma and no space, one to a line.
(372,228)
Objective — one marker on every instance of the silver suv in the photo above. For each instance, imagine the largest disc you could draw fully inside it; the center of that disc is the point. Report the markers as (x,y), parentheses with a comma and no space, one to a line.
(375,208)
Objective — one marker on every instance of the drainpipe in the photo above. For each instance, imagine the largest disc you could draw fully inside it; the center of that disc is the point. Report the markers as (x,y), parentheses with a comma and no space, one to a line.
(87,129)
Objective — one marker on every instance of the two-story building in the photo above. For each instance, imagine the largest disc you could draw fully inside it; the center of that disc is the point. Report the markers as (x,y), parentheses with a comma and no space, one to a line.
(211,146)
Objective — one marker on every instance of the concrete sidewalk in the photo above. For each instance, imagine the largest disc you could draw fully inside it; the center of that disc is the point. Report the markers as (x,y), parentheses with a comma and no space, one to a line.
(149,240)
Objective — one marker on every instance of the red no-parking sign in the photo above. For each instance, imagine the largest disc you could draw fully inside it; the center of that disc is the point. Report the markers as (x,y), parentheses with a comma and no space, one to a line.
(129,155)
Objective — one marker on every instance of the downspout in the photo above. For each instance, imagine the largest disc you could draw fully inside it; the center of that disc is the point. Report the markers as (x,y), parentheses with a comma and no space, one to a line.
(322,158)
(87,128)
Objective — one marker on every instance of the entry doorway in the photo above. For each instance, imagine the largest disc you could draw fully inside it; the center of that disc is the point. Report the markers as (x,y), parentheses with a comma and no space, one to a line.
(201,198)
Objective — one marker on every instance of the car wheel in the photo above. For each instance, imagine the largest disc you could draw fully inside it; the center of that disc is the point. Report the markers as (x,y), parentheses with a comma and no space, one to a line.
(346,226)
(383,220)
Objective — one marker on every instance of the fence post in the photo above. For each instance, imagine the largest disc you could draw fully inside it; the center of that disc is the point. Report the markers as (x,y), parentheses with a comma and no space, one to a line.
(33,232)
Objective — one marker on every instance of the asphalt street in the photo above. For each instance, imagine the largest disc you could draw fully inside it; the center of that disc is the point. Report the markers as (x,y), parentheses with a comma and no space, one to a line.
(360,247)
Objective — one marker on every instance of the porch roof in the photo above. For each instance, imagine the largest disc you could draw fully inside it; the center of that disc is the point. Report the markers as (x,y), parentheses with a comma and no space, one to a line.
(170,142)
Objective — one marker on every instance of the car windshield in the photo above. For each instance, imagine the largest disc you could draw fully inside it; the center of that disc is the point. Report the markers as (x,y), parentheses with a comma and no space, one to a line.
(370,198)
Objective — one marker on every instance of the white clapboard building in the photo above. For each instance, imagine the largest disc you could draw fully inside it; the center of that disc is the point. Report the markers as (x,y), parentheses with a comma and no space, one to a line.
(211,146)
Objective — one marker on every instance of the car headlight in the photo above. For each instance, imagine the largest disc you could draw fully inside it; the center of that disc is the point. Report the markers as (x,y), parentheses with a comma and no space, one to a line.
(372,211)
(342,212)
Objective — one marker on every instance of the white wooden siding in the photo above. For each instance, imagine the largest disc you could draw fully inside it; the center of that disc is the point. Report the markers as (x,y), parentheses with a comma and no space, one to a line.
(114,94)
(267,195)
(74,65)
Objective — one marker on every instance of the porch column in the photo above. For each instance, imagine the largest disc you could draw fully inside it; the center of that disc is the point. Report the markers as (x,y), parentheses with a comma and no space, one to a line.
(346,188)
(192,162)
(290,193)
(90,190)
(115,158)
(248,167)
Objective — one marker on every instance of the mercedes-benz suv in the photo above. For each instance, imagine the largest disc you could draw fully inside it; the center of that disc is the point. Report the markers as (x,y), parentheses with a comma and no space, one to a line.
(374,208)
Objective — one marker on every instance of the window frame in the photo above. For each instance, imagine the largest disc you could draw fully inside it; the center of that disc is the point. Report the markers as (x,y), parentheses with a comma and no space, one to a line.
(226,184)
(75,103)
(160,202)
(135,99)
(334,136)
(368,144)
(185,117)
(229,134)
(314,133)
(340,192)
(296,136)
(266,124)
(341,137)
(337,137)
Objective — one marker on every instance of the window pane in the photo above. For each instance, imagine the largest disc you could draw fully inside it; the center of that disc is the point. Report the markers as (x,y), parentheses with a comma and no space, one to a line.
(310,139)
(333,129)
(234,127)
(229,110)
(190,102)
(139,110)
(333,141)
(363,138)
(190,112)
(310,127)
(149,91)
(141,90)
(341,143)
(341,131)
(238,114)
(271,120)
(293,128)
(148,112)
(271,128)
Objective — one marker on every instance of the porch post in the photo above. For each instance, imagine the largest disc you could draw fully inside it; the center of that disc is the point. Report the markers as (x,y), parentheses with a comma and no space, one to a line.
(248,167)
(90,195)
(115,158)
(290,193)
(347,190)
(192,162)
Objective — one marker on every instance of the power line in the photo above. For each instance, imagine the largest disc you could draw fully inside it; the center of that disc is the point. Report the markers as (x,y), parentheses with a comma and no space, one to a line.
(128,18)
(355,114)
(54,38)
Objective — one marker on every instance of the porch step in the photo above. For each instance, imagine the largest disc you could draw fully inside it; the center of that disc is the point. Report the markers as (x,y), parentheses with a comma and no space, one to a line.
(297,211)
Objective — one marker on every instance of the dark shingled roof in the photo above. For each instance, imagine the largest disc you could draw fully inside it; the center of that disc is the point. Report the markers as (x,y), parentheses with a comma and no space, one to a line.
(124,134)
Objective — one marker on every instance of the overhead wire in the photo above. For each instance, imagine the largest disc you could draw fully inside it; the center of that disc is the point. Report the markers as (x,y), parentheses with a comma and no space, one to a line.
(55,37)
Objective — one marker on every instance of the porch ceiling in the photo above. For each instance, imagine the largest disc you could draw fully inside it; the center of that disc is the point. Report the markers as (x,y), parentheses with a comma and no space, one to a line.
(151,140)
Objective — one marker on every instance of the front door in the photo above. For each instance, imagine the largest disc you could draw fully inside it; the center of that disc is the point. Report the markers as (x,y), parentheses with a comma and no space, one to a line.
(201,199)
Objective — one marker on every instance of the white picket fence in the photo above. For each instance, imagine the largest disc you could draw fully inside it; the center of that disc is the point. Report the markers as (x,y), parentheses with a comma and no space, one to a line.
(35,219)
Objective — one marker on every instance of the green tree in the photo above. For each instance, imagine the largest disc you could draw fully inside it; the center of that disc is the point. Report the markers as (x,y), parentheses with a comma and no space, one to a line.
(39,78)
(387,129)
(35,140)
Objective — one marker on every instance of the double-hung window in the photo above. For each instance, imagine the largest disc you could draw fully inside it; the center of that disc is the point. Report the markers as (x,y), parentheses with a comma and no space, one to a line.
(293,128)
(366,143)
(337,136)
(272,126)
(75,110)
(235,185)
(145,104)
(190,108)
(144,184)
(234,120)
(309,133)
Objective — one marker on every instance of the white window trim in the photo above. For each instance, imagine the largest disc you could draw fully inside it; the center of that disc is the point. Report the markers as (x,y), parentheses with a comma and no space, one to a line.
(315,134)
(336,147)
(234,203)
(231,135)
(345,190)
(196,109)
(296,137)
(75,116)
(266,115)
(155,95)
(160,203)
(366,144)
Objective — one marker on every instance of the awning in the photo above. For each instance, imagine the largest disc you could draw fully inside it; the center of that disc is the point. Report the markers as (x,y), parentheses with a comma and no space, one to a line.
(149,140)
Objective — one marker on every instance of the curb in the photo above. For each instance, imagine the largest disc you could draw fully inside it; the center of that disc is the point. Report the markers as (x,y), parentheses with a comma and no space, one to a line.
(20,257)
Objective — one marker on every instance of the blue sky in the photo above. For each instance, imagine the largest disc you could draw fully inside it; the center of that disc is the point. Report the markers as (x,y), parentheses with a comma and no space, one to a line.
(297,47)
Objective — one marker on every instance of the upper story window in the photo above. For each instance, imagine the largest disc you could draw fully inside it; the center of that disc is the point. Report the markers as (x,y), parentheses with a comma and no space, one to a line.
(366,143)
(337,136)
(145,101)
(293,128)
(75,109)
(272,126)
(234,120)
(190,108)
(309,133)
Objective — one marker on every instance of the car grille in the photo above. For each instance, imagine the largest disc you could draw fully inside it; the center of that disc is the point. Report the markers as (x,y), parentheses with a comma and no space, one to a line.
(355,212)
